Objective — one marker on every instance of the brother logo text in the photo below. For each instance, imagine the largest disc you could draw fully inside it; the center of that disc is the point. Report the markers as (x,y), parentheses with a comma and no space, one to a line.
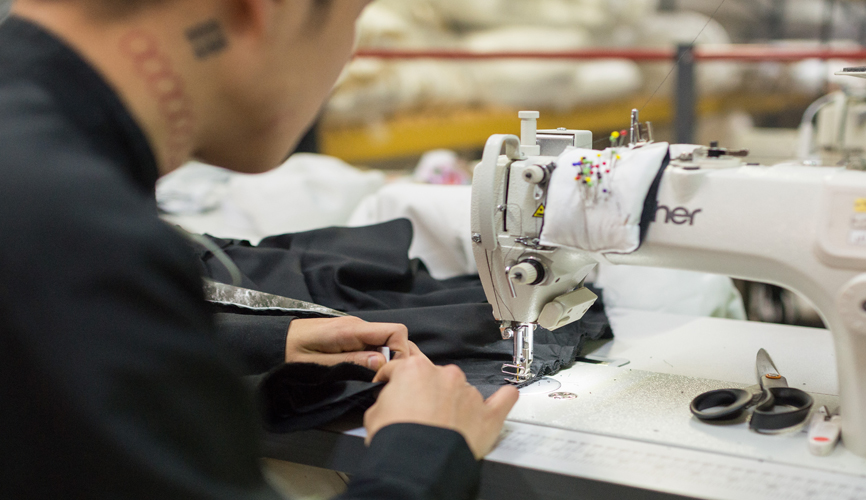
(678,215)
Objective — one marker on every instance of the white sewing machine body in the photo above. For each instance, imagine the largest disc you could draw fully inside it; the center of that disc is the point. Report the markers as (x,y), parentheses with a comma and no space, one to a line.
(802,228)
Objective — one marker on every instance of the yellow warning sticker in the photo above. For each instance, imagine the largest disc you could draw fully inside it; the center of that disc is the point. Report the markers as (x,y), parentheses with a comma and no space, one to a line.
(540,211)
(860,205)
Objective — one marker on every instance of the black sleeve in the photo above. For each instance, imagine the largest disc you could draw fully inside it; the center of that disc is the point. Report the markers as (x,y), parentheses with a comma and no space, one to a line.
(259,340)
(416,462)
(112,381)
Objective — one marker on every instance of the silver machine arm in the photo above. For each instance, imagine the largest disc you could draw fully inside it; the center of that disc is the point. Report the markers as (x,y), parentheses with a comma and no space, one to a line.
(799,227)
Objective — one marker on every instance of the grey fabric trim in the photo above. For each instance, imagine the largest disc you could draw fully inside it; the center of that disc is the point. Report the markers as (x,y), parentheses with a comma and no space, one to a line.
(244,298)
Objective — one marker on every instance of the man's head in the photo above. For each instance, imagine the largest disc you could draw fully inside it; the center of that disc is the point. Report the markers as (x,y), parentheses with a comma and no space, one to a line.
(243,78)
(294,51)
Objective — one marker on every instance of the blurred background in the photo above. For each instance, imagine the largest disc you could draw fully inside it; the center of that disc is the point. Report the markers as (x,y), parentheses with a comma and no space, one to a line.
(433,79)
(387,112)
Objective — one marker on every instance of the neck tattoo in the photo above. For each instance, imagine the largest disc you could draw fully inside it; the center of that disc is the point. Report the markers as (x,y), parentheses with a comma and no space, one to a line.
(167,87)
(207,39)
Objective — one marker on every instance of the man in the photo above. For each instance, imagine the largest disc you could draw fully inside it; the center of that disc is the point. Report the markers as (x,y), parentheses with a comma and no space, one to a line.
(113,385)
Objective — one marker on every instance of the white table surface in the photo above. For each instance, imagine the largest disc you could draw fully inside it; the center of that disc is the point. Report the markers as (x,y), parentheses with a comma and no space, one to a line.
(721,349)
(629,433)
(640,410)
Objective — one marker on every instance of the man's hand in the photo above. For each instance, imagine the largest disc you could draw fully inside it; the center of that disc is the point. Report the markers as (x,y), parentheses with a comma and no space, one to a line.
(422,393)
(330,341)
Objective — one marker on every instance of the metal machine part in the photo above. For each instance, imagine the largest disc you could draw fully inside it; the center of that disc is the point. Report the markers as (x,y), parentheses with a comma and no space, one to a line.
(544,385)
(565,308)
(536,174)
(639,133)
(714,151)
(833,128)
(799,227)
(529,133)
(554,142)
(527,272)
(523,334)
(511,226)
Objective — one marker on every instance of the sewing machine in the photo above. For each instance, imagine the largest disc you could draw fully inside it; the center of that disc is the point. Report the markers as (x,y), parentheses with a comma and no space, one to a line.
(799,227)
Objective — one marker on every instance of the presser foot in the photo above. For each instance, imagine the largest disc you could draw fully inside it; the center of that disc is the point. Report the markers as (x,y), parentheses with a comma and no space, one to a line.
(522,335)
(517,374)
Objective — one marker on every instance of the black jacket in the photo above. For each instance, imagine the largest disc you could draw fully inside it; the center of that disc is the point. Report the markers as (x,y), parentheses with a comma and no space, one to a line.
(113,383)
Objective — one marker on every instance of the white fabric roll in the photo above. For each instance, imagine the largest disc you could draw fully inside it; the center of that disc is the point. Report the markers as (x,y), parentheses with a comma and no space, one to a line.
(593,14)
(541,84)
(307,192)
(440,220)
(670,291)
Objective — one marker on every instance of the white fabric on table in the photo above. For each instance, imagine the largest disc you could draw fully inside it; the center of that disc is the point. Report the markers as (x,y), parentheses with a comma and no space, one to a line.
(440,220)
(194,188)
(307,192)
(670,291)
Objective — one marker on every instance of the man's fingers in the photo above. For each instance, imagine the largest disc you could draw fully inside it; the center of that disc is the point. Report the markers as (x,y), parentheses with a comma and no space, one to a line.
(421,366)
(347,334)
(384,374)
(369,417)
(414,351)
(394,336)
(357,335)
(367,359)
(501,402)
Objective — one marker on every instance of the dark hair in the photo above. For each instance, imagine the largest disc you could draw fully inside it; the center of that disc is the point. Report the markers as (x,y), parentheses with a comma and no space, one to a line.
(112,7)
(125,7)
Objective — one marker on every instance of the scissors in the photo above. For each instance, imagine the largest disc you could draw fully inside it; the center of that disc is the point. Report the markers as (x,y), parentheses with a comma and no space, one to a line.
(777,406)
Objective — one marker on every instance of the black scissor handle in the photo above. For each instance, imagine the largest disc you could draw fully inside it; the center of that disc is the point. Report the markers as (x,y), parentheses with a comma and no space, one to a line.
(729,403)
(765,419)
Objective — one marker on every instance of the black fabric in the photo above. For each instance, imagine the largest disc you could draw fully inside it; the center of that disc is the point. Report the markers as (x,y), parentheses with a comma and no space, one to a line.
(366,272)
(298,396)
(651,202)
(113,384)
(261,344)
(448,471)
(111,380)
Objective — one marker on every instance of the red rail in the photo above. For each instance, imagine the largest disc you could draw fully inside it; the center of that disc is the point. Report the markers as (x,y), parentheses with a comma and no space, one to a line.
(746,53)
